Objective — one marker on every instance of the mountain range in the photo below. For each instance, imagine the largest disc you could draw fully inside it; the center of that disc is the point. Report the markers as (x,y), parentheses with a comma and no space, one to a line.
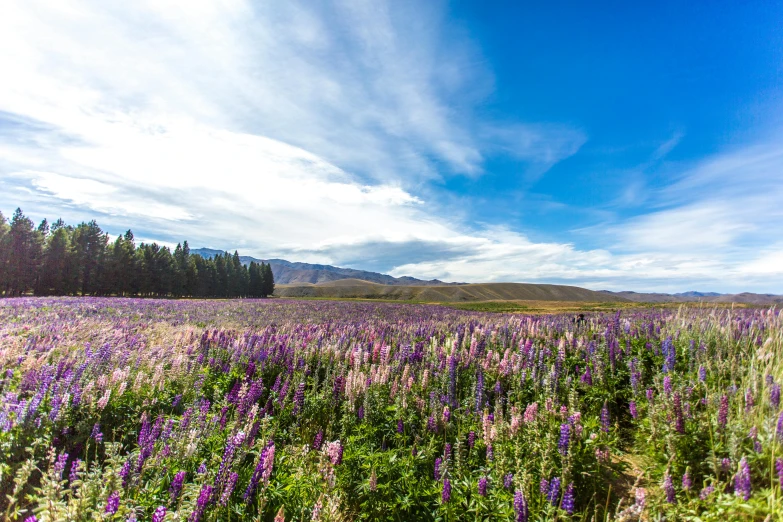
(294,279)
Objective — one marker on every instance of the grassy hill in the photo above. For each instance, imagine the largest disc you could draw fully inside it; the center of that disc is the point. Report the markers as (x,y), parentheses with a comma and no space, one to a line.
(357,289)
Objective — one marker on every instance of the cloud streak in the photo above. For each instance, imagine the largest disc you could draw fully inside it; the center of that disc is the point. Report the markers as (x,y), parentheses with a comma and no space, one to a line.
(311,131)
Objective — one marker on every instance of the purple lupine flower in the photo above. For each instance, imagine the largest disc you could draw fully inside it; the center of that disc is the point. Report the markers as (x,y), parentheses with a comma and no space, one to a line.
(667,385)
(779,469)
(706,492)
(176,485)
(605,418)
(482,486)
(436,470)
(508,480)
(204,498)
(319,439)
(723,412)
(112,503)
(299,397)
(725,465)
(446,496)
(668,488)
(702,373)
(31,518)
(749,401)
(431,426)
(543,486)
(124,473)
(229,488)
(159,515)
(687,480)
(75,470)
(479,391)
(202,469)
(59,465)
(565,438)
(568,499)
(669,355)
(175,402)
(774,396)
(553,495)
(520,506)
(650,394)
(452,399)
(96,433)
(400,426)
(742,485)
(471,439)
(632,408)
(779,429)
(256,477)
(228,455)
(587,377)
(679,421)
(490,453)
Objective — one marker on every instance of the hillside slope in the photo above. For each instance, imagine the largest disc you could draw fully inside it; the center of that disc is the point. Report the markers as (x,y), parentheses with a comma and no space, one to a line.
(692,297)
(354,288)
(287,272)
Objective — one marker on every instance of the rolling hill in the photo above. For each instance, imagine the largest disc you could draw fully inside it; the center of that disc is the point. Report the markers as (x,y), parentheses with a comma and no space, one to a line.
(295,279)
(355,288)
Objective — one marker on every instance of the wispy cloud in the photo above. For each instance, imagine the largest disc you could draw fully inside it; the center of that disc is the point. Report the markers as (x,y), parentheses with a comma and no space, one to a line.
(308,130)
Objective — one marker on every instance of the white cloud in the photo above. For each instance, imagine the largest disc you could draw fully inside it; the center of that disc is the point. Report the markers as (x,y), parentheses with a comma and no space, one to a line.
(302,130)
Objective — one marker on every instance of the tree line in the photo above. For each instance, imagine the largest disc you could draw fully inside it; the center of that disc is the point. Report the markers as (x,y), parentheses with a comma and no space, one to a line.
(82,260)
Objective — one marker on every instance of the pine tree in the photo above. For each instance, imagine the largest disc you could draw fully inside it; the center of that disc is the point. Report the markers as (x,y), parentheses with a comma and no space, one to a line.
(268,280)
(90,247)
(221,275)
(3,231)
(22,247)
(58,274)
(254,274)
(65,260)
(191,271)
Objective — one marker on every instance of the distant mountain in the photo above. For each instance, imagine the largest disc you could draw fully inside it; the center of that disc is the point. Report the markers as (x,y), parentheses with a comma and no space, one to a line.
(694,293)
(287,272)
(693,296)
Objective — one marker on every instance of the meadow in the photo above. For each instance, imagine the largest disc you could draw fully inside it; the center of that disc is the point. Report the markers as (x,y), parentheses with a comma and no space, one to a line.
(270,409)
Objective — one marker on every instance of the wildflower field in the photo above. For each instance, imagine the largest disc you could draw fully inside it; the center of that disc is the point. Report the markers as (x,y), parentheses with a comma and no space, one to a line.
(129,409)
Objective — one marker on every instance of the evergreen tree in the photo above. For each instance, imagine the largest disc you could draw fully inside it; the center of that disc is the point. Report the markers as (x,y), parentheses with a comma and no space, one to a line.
(90,247)
(22,246)
(3,231)
(268,280)
(180,270)
(59,272)
(221,274)
(65,260)
(241,276)
(254,274)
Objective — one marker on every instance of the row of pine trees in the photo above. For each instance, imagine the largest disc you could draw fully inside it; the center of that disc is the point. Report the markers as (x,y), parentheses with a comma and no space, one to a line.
(65,260)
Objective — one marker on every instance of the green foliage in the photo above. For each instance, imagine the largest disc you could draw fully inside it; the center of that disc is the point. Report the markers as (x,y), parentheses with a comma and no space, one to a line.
(66,260)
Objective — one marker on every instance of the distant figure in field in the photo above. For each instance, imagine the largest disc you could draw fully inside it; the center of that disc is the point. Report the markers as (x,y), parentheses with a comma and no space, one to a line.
(579,319)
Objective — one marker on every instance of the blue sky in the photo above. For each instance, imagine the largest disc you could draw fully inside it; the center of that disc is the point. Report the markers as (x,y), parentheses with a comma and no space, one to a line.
(605,145)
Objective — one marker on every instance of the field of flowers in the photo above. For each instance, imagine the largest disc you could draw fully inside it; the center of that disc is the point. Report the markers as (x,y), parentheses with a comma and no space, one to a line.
(125,409)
